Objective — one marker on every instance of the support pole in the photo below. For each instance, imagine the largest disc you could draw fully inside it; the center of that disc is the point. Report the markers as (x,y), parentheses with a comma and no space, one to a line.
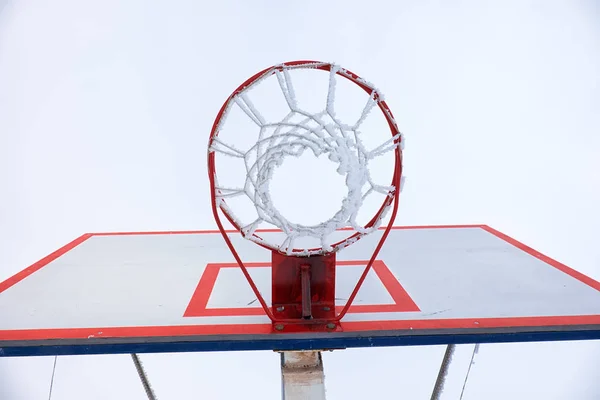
(441,379)
(302,376)
(143,377)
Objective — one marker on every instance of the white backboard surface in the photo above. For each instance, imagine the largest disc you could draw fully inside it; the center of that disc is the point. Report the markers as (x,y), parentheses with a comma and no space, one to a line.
(182,291)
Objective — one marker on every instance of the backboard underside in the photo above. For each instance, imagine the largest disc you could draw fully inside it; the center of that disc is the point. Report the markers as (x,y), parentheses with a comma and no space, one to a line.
(182,291)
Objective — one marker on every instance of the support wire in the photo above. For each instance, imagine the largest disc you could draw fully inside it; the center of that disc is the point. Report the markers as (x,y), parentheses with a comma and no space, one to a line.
(52,379)
(475,351)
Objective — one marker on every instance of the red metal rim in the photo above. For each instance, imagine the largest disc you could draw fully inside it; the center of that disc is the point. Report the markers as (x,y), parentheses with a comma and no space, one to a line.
(325,67)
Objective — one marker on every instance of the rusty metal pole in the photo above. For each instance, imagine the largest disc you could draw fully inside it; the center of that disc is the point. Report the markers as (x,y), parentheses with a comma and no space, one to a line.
(302,376)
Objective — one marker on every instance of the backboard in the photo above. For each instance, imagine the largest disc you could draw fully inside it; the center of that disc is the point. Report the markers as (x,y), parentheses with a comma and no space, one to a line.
(182,291)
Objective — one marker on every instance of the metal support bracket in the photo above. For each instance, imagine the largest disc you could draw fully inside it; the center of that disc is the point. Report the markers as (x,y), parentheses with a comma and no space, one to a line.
(303,291)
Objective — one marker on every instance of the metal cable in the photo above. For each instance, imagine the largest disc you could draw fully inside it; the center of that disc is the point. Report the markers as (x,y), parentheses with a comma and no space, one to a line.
(475,350)
(439,383)
(143,377)
(52,379)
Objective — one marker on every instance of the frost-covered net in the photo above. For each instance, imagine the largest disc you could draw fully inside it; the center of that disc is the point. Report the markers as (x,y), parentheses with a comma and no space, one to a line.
(295,132)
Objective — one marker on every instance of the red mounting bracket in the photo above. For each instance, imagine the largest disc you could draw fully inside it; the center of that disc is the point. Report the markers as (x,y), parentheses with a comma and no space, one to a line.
(303,288)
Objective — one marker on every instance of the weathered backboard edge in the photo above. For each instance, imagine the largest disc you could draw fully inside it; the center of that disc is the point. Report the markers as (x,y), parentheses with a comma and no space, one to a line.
(75,341)
(295,342)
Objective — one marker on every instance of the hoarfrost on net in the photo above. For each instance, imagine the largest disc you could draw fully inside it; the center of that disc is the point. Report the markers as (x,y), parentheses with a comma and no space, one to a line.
(321,133)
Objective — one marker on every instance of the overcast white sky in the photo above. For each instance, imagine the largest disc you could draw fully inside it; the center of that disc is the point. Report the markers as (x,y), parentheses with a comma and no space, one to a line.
(106,107)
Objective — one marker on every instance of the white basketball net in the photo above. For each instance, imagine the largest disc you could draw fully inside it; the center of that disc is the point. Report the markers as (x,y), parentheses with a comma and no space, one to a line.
(320,133)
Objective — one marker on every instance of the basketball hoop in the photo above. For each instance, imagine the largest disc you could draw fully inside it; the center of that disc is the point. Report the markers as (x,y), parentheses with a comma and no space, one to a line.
(312,268)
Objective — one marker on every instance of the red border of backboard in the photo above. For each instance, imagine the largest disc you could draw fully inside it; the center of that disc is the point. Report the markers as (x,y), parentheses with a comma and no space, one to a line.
(19,276)
(266,328)
(197,306)
(241,329)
